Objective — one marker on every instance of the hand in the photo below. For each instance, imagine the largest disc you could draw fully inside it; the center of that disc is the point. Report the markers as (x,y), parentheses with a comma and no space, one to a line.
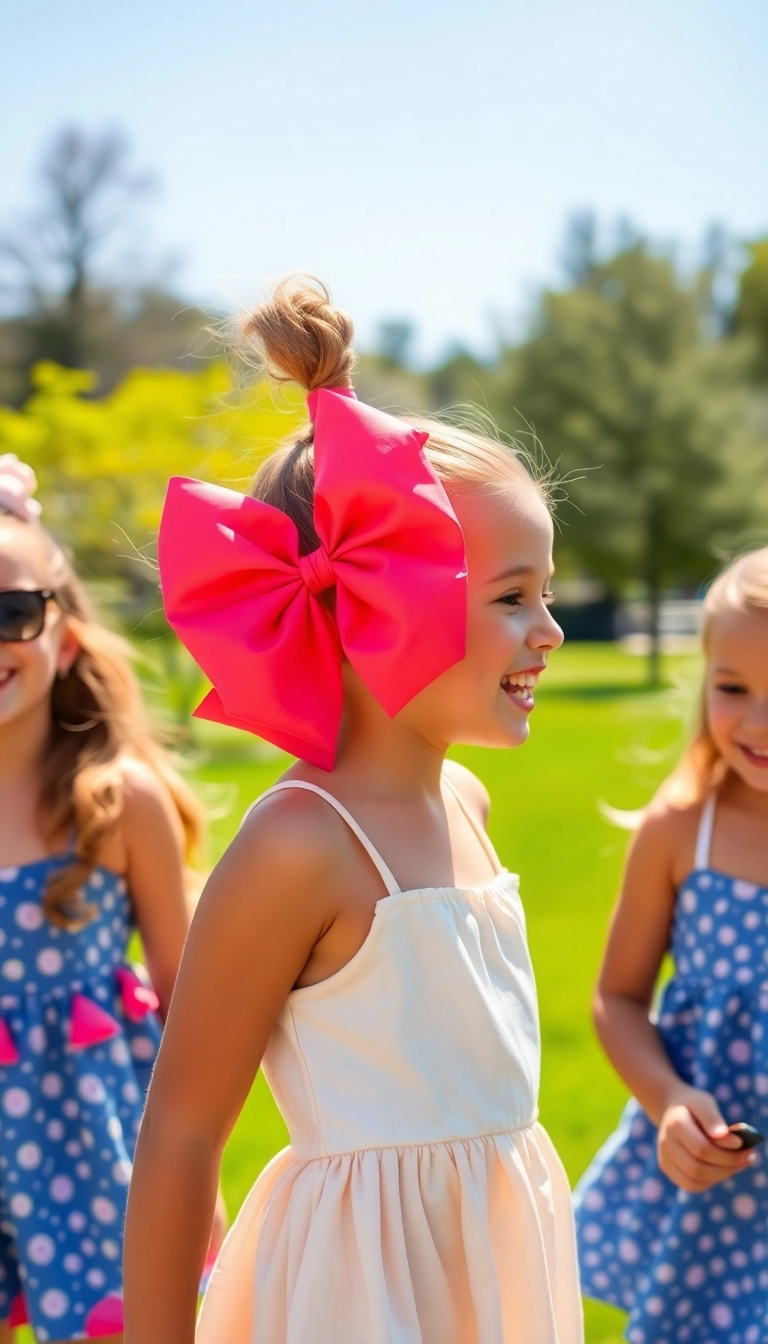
(219,1229)
(695,1147)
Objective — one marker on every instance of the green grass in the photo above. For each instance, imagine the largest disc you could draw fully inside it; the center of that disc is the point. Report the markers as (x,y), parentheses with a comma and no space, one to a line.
(597,734)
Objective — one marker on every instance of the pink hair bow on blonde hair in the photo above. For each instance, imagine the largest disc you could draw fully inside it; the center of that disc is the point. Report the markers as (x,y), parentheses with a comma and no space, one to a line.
(248,606)
(18,483)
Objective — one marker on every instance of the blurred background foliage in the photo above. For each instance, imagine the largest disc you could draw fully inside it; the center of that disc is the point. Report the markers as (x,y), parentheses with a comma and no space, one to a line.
(644,383)
(103,462)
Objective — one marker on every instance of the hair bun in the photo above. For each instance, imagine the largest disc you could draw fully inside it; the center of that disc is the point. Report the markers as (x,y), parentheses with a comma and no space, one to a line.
(18,483)
(300,337)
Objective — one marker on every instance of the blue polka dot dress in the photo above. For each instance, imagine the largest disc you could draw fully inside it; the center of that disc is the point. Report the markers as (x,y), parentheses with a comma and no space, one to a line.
(693,1269)
(78,1038)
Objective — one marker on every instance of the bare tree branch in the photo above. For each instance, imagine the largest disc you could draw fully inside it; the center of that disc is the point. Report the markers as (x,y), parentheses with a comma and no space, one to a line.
(50,261)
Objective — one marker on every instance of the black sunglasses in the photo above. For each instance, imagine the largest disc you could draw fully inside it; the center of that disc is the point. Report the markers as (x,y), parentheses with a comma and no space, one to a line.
(22,613)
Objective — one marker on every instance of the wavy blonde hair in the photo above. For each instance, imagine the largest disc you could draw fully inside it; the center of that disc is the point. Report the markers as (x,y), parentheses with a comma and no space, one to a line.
(97,719)
(743,587)
(298,335)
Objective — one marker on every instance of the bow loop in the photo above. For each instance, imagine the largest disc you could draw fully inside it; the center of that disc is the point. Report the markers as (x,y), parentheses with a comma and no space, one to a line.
(317,571)
(244,602)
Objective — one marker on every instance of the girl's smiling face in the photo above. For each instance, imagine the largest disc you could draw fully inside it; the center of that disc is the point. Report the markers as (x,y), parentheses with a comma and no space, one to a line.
(737,693)
(28,668)
(485,700)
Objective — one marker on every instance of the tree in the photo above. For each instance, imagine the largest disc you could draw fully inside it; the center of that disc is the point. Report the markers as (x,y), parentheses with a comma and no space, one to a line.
(625,393)
(52,262)
(751,314)
(394,342)
(75,285)
(103,465)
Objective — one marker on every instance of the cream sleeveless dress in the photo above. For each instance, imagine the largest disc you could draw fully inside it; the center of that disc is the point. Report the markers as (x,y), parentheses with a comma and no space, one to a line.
(419,1202)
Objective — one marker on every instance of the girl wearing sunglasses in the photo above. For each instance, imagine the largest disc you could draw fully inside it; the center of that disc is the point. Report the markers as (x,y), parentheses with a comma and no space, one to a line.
(94,828)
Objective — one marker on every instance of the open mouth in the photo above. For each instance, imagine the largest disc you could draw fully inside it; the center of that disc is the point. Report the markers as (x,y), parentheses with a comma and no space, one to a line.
(6,676)
(755,755)
(519,687)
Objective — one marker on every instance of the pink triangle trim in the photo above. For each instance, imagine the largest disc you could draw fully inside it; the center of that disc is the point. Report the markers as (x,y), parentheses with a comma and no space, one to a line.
(89,1024)
(18,1314)
(106,1318)
(138,999)
(8,1052)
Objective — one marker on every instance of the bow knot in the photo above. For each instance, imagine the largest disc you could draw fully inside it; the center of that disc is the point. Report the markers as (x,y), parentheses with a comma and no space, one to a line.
(317,571)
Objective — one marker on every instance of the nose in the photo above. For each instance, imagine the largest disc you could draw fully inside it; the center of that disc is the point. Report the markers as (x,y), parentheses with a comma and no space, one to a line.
(757,716)
(546,634)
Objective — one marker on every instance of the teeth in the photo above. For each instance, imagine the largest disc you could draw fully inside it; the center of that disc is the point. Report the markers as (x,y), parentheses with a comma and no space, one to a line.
(525,681)
(758,751)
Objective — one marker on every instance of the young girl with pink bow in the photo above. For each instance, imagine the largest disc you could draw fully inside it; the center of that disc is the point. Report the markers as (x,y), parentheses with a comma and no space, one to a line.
(381,594)
(94,823)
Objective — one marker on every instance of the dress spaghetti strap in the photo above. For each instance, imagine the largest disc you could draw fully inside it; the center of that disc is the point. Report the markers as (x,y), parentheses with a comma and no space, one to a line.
(704,837)
(475,824)
(370,849)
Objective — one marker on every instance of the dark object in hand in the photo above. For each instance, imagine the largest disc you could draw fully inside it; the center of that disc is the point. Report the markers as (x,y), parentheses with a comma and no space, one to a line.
(750,1137)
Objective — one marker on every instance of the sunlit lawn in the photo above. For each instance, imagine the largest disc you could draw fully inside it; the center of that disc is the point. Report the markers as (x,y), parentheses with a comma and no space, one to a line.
(596,735)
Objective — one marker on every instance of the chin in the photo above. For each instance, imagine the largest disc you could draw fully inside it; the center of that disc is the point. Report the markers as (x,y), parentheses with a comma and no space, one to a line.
(517,731)
(505,737)
(517,739)
(755,777)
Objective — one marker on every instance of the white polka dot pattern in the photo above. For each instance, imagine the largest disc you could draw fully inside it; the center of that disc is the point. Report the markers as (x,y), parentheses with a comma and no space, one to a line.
(68,1117)
(692,1269)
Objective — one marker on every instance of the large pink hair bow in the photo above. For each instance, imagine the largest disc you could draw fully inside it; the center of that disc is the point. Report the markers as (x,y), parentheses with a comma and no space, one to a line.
(247,605)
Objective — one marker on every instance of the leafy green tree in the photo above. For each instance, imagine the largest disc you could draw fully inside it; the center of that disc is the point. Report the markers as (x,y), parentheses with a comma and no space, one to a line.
(103,465)
(650,417)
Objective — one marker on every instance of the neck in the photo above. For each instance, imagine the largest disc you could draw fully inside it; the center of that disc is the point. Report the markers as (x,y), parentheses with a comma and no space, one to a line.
(23,743)
(386,752)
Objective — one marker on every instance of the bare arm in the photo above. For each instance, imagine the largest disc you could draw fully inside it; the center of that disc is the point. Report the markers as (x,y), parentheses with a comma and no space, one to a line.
(637,941)
(263,909)
(154,844)
(694,1142)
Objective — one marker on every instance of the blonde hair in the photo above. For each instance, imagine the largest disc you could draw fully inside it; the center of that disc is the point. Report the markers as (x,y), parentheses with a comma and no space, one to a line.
(742,587)
(98,718)
(298,335)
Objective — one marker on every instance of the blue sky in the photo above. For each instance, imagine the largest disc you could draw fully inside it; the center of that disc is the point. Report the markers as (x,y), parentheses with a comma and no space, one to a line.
(421,155)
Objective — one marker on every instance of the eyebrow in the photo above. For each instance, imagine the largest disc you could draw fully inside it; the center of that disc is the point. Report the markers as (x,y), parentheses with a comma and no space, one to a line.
(517,572)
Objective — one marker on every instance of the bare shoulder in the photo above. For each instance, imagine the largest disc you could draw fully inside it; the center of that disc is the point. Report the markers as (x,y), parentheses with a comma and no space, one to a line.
(667,835)
(639,933)
(473,792)
(140,781)
(295,828)
(147,803)
(292,847)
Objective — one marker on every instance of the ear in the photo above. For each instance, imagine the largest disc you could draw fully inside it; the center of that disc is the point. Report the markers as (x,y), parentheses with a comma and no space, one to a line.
(68,651)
